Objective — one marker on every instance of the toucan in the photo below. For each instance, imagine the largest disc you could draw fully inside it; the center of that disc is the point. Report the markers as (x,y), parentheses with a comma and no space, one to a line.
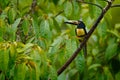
(80,32)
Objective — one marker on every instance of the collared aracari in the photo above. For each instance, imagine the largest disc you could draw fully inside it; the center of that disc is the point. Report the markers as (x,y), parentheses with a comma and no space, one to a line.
(80,32)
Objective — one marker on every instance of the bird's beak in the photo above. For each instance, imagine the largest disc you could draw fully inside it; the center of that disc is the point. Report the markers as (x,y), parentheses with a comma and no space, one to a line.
(72,22)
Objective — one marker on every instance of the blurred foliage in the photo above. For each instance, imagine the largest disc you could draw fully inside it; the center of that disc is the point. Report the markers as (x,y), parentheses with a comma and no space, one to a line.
(35,42)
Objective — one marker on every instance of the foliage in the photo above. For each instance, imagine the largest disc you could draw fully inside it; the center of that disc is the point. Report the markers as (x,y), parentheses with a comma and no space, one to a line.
(35,42)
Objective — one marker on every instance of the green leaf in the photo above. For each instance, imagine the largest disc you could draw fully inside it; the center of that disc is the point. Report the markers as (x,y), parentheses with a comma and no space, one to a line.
(33,72)
(94,66)
(11,15)
(68,8)
(14,28)
(24,6)
(12,51)
(114,33)
(53,73)
(45,29)
(80,63)
(89,60)
(4,59)
(70,47)
(56,25)
(55,45)
(25,26)
(108,73)
(117,76)
(25,48)
(102,29)
(111,50)
(76,10)
(36,28)
(2,76)
(4,3)
(92,9)
(2,29)
(20,71)
(15,24)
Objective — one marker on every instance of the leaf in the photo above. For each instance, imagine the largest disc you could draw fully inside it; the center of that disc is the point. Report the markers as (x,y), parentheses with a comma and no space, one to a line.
(68,8)
(14,28)
(27,46)
(23,6)
(117,76)
(45,29)
(111,50)
(20,71)
(102,29)
(2,29)
(114,33)
(4,3)
(36,28)
(53,73)
(25,26)
(62,76)
(92,9)
(4,59)
(80,63)
(2,76)
(12,51)
(76,10)
(94,66)
(70,47)
(55,45)
(33,73)
(89,60)
(56,26)
(11,15)
(108,73)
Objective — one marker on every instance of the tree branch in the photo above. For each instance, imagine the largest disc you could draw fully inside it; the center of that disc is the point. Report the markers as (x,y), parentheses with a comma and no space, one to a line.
(34,3)
(86,38)
(116,5)
(59,13)
(91,4)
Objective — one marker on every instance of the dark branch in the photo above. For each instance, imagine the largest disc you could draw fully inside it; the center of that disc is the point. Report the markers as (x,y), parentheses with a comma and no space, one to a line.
(34,3)
(116,5)
(85,39)
(91,4)
(59,13)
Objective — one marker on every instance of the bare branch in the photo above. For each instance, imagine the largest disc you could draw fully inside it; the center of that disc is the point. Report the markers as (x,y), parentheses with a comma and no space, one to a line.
(59,13)
(91,4)
(85,39)
(34,3)
(116,5)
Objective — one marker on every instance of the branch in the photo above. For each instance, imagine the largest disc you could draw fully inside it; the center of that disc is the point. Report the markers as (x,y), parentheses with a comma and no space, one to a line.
(34,3)
(116,5)
(91,4)
(59,13)
(85,39)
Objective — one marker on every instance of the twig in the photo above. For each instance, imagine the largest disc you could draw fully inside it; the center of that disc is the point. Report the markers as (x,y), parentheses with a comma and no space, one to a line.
(34,3)
(59,13)
(91,4)
(85,39)
(116,5)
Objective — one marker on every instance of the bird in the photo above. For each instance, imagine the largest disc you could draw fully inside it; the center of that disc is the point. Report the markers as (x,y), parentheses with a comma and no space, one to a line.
(80,32)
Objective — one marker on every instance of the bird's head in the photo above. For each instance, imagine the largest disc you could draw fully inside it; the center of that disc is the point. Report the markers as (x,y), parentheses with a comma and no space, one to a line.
(73,22)
(79,23)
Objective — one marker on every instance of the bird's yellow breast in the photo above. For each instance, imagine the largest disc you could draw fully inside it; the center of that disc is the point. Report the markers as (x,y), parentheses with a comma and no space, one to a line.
(80,32)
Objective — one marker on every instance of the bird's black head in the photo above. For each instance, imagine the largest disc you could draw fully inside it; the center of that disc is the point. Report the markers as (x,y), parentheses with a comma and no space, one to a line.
(79,23)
